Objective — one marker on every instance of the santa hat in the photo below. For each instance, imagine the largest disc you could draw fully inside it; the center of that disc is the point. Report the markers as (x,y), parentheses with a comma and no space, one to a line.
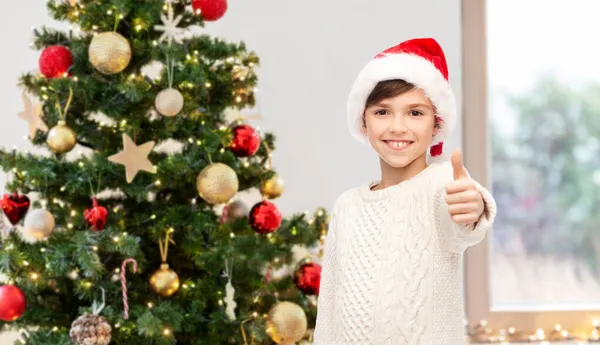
(419,61)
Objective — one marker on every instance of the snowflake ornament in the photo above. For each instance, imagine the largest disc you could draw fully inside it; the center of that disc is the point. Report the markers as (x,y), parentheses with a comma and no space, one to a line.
(171,32)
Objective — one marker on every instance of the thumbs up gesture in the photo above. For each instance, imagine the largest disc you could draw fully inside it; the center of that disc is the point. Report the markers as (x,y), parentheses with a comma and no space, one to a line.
(465,203)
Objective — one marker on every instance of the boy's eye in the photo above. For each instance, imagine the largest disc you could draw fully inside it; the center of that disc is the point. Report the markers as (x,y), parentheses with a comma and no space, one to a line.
(416,113)
(381,112)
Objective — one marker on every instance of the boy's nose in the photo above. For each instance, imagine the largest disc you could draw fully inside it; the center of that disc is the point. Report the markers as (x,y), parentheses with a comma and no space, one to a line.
(397,125)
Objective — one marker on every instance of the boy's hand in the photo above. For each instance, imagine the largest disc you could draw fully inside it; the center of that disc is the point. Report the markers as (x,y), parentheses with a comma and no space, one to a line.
(465,203)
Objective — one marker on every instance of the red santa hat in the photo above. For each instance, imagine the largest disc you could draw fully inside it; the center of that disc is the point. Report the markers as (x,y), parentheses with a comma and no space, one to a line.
(419,61)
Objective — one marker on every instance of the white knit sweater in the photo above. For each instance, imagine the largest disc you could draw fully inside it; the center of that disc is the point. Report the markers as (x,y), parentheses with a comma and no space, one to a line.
(391,271)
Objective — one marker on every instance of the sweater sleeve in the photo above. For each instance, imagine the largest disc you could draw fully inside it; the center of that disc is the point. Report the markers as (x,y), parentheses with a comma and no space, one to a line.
(324,328)
(459,237)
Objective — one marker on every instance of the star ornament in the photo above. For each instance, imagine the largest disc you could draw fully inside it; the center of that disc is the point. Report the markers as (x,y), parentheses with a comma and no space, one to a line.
(171,32)
(32,114)
(134,158)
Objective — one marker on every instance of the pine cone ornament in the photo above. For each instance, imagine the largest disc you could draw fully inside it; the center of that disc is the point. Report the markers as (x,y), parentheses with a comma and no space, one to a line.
(90,330)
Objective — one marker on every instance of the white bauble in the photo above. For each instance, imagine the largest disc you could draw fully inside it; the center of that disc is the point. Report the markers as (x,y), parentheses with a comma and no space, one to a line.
(169,102)
(38,224)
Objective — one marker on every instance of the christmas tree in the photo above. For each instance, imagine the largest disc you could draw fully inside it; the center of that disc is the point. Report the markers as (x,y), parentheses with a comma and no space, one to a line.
(126,227)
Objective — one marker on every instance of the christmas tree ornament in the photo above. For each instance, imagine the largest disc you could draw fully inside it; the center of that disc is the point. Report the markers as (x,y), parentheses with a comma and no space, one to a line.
(12,303)
(171,32)
(234,211)
(109,53)
(229,294)
(55,61)
(124,284)
(265,217)
(217,183)
(96,216)
(286,323)
(38,224)
(273,187)
(169,102)
(61,138)
(307,278)
(91,329)
(15,206)
(134,158)
(164,281)
(32,114)
(210,10)
(246,141)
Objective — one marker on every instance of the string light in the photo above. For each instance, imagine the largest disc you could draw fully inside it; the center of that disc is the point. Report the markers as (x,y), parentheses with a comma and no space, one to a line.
(166,331)
(25,263)
(34,276)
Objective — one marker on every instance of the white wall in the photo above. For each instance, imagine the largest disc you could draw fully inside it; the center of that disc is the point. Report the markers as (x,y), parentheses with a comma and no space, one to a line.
(310,53)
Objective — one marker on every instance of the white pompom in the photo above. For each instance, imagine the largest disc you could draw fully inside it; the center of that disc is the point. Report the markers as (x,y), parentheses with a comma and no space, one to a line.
(38,224)
(169,102)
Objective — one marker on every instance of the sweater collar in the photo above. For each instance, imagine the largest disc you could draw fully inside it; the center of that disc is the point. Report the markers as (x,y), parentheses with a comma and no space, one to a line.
(367,194)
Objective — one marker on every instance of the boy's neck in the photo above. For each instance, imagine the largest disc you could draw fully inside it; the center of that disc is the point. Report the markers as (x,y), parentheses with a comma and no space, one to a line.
(391,176)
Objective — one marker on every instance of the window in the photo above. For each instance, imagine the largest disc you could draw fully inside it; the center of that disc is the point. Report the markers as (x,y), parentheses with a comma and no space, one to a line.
(532,94)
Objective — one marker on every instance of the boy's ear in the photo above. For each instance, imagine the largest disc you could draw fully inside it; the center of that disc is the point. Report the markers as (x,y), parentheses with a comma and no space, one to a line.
(363,128)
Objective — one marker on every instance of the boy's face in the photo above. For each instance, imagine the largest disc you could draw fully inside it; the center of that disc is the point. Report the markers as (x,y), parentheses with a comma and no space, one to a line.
(401,128)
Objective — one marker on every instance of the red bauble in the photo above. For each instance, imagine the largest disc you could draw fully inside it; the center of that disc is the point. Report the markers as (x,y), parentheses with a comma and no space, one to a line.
(96,216)
(55,61)
(265,217)
(246,141)
(210,10)
(14,206)
(308,278)
(12,303)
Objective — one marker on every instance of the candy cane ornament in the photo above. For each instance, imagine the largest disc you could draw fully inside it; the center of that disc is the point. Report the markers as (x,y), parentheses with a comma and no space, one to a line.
(124,284)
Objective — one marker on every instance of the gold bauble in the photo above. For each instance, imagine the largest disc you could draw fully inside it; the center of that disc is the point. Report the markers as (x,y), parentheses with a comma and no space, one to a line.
(169,102)
(273,187)
(286,323)
(61,138)
(164,281)
(217,183)
(109,52)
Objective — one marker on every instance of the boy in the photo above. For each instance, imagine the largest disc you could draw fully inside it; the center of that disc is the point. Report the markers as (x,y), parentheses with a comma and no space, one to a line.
(391,273)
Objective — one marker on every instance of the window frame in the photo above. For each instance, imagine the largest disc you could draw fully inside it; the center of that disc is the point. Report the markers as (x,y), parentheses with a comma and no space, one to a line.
(476,153)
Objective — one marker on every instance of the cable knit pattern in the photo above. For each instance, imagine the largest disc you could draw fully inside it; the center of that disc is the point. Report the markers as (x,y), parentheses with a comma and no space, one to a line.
(391,271)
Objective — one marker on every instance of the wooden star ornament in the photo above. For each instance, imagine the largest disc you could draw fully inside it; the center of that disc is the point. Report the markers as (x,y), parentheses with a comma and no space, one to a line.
(32,114)
(134,158)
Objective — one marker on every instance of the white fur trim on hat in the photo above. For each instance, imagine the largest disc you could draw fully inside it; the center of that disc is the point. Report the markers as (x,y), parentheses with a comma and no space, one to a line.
(410,68)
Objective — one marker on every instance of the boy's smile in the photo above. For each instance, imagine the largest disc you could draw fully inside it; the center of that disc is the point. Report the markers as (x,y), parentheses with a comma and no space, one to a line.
(398,144)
